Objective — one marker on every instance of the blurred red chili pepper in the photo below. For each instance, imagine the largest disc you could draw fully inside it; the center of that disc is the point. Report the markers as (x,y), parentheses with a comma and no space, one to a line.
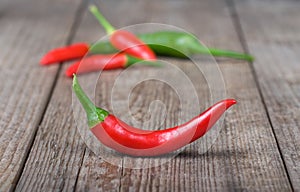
(73,51)
(124,40)
(123,138)
(105,62)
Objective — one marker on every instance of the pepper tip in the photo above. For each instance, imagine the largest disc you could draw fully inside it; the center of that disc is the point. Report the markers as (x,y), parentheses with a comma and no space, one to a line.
(46,60)
(230,102)
(70,72)
(72,69)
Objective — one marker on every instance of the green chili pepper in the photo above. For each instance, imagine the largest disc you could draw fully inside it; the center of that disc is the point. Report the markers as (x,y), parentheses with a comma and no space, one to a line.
(173,43)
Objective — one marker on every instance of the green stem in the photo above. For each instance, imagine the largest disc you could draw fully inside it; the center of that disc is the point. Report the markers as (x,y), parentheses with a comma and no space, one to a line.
(95,115)
(197,47)
(232,54)
(101,19)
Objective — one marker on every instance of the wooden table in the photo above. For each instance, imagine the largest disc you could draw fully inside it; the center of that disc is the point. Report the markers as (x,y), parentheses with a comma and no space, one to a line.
(259,142)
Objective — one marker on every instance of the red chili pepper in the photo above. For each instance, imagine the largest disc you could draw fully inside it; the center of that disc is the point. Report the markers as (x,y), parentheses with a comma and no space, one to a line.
(74,51)
(123,138)
(104,62)
(124,40)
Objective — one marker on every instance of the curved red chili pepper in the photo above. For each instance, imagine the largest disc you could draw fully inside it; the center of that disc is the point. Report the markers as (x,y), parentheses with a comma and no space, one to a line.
(124,40)
(60,54)
(104,62)
(123,138)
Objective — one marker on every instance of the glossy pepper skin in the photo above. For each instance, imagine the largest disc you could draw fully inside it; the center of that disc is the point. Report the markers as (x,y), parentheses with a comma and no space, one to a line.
(124,40)
(123,138)
(104,62)
(77,50)
(175,44)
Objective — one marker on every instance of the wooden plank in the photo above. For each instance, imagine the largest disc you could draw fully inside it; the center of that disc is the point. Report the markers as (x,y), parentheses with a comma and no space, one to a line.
(57,150)
(272,35)
(28,29)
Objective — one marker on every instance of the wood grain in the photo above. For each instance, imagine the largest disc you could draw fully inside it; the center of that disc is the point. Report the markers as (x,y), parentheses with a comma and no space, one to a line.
(27,32)
(245,156)
(274,40)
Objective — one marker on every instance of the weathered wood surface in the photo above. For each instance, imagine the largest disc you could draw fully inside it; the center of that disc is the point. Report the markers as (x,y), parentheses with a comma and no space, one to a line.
(28,30)
(272,35)
(251,153)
